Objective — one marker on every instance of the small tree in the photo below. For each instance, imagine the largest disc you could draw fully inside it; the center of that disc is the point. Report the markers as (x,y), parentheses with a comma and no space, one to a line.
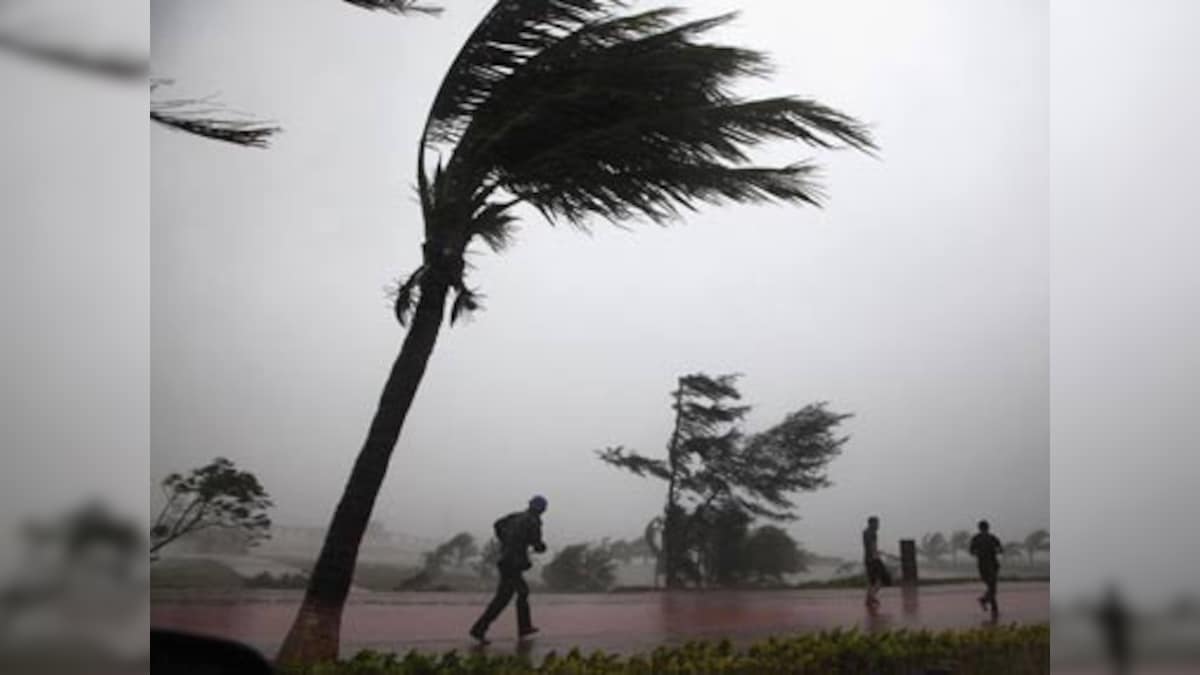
(580,567)
(216,495)
(771,553)
(933,546)
(1038,540)
(711,461)
(960,540)
(88,556)
(457,550)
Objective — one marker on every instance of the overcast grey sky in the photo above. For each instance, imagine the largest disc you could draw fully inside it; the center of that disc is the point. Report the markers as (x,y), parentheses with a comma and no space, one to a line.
(917,300)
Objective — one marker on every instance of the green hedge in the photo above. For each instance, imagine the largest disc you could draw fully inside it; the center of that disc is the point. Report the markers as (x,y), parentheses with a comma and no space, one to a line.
(1012,650)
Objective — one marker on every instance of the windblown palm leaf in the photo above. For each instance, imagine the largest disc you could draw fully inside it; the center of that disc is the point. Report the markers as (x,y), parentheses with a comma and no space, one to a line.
(396,6)
(580,112)
(203,117)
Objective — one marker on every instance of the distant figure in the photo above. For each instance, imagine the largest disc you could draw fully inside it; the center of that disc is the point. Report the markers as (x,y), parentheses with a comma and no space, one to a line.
(516,532)
(1113,619)
(987,550)
(877,572)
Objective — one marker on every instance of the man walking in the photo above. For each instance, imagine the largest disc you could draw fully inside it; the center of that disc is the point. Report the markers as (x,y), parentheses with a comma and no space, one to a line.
(987,549)
(877,572)
(516,532)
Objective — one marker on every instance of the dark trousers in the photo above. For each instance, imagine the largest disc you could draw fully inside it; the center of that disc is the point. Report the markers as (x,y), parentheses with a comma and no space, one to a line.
(511,582)
(990,575)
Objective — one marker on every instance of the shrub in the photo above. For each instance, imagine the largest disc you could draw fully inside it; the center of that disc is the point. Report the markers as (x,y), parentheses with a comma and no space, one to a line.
(580,567)
(1011,650)
(285,580)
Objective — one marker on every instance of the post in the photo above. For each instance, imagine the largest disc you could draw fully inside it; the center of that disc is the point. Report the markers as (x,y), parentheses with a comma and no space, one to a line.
(908,562)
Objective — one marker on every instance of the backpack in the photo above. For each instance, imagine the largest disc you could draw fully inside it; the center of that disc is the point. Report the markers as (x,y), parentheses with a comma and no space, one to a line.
(506,528)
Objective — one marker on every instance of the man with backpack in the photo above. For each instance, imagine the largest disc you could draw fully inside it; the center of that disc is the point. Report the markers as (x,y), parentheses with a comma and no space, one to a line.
(517,533)
(877,573)
(987,550)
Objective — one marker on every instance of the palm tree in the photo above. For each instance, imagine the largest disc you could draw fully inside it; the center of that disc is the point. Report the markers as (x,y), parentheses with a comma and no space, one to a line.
(960,540)
(580,112)
(1038,540)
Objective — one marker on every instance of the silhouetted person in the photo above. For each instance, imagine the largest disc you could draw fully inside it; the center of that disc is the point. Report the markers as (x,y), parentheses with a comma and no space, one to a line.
(877,572)
(517,533)
(987,549)
(1113,619)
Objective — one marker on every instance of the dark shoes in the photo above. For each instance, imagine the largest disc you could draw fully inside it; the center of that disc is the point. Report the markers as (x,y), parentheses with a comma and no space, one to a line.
(478,635)
(527,632)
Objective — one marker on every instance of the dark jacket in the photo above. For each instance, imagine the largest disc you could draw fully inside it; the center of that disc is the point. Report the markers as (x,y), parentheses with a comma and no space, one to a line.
(987,549)
(517,532)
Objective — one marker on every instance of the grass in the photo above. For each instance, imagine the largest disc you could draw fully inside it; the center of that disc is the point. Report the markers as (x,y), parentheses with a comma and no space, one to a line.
(1011,650)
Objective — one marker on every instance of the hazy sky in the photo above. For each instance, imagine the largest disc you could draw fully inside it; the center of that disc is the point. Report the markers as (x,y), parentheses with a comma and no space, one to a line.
(917,300)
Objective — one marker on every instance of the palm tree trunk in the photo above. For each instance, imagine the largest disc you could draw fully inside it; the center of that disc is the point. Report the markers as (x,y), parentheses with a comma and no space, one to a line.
(315,633)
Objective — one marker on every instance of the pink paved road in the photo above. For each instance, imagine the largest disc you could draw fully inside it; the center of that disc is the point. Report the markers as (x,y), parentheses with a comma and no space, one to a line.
(626,623)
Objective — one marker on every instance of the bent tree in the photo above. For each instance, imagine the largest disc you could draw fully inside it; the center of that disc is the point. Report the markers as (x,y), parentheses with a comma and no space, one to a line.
(580,110)
(719,478)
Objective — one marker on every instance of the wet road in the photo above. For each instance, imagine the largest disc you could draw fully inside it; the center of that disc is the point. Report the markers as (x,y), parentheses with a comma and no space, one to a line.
(625,623)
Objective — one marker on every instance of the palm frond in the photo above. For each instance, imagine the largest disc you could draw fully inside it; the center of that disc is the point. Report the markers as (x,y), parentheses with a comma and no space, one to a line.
(466,302)
(202,117)
(510,34)
(581,112)
(495,226)
(404,295)
(396,6)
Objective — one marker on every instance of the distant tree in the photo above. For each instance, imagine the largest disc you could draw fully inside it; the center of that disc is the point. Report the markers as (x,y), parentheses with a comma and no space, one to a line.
(771,553)
(705,416)
(218,541)
(86,557)
(489,556)
(621,550)
(848,567)
(1014,549)
(960,540)
(641,549)
(216,495)
(933,546)
(1038,540)
(580,567)
(457,550)
(285,580)
(710,460)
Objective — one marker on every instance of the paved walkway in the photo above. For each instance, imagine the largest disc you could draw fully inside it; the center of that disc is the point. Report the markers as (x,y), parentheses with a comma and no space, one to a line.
(622,622)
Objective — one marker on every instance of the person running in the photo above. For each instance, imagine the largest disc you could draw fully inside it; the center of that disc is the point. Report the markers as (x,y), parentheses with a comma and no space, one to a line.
(517,533)
(1113,619)
(877,572)
(987,549)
